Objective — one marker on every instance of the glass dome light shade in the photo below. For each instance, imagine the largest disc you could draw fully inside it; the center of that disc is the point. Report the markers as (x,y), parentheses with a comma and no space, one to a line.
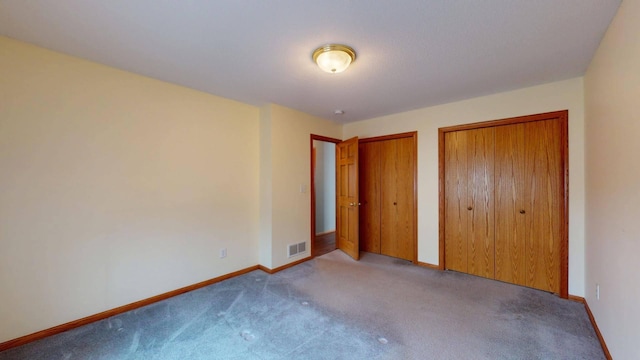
(334,58)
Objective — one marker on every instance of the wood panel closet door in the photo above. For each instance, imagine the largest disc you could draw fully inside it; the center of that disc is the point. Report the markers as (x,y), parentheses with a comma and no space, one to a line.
(503,207)
(510,195)
(543,204)
(456,213)
(369,157)
(396,198)
(529,204)
(469,213)
(481,236)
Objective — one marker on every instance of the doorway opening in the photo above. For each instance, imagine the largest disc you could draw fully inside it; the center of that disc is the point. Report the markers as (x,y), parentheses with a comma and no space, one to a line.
(323,194)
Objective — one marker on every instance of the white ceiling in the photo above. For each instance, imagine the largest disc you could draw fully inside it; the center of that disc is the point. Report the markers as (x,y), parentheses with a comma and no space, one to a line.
(411,53)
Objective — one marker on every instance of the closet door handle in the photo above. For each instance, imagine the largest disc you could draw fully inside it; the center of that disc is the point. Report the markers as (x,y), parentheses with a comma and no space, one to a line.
(395,203)
(522,211)
(469,208)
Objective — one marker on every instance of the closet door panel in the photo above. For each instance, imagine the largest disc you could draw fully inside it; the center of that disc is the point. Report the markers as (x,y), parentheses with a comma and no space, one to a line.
(406,198)
(543,196)
(398,189)
(388,198)
(369,157)
(509,194)
(480,246)
(456,213)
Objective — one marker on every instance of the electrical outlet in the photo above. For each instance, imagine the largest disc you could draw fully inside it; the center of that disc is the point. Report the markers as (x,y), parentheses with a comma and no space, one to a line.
(597,291)
(223,253)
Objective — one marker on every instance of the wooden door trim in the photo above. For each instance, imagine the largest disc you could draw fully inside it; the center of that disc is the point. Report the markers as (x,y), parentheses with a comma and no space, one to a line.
(507,121)
(313,186)
(414,135)
(562,116)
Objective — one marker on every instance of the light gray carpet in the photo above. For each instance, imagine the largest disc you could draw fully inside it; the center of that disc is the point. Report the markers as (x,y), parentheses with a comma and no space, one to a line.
(335,308)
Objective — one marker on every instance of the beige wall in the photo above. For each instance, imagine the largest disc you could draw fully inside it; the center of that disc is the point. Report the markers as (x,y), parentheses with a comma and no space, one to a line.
(325,186)
(266,195)
(612,91)
(550,97)
(115,187)
(285,168)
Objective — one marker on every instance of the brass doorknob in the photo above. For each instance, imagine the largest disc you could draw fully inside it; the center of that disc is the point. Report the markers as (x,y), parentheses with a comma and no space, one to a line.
(522,211)
(469,208)
(352,204)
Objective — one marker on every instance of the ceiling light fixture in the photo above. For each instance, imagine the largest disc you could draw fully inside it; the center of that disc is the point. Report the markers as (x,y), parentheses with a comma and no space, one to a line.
(334,58)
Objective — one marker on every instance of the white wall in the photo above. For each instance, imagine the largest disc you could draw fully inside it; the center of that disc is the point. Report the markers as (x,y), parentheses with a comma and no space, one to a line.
(329,186)
(115,187)
(289,167)
(544,98)
(612,91)
(319,173)
(325,183)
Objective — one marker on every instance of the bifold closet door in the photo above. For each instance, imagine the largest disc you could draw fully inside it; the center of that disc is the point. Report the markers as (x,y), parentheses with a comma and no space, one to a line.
(469,201)
(510,198)
(529,192)
(397,221)
(481,200)
(543,204)
(369,157)
(456,214)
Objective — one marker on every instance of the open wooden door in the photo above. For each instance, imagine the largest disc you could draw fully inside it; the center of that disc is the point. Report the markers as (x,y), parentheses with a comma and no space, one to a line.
(347,236)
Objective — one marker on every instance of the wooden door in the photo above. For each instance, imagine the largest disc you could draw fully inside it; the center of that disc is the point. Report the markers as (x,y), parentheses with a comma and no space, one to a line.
(369,167)
(456,212)
(510,195)
(529,194)
(543,204)
(469,201)
(347,219)
(397,221)
(480,185)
